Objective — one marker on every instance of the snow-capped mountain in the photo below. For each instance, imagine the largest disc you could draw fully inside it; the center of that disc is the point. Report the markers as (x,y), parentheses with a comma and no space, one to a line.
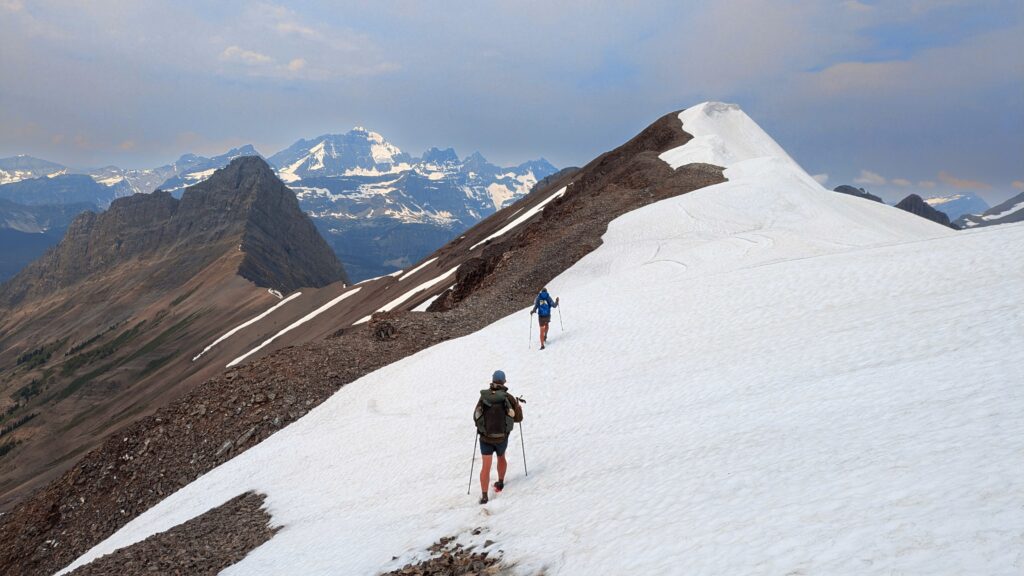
(22,167)
(956,205)
(1010,211)
(357,152)
(382,209)
(805,396)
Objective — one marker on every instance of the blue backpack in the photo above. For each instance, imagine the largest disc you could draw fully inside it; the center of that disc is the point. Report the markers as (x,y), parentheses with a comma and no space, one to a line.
(544,304)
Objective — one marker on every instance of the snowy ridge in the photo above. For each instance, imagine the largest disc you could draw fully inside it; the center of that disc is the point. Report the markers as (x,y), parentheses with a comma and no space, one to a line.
(788,398)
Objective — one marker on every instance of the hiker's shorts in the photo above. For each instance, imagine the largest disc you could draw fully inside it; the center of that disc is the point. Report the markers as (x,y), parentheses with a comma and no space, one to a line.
(544,320)
(487,449)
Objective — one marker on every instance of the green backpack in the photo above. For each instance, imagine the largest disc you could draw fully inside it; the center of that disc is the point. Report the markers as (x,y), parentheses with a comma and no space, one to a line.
(492,421)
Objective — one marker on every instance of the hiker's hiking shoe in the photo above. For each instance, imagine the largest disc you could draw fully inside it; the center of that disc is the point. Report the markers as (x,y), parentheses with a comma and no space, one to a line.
(499,486)
(483,499)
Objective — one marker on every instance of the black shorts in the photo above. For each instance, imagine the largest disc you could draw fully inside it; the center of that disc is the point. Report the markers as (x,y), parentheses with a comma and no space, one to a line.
(487,449)
(544,320)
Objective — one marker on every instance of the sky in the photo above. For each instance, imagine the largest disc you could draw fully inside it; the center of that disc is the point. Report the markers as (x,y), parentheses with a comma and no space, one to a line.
(897,97)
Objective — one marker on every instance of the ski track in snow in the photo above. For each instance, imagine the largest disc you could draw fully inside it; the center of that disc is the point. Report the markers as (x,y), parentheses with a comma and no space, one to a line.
(817,389)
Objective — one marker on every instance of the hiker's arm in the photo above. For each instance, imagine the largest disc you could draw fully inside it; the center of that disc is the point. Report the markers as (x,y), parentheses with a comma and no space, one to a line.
(517,406)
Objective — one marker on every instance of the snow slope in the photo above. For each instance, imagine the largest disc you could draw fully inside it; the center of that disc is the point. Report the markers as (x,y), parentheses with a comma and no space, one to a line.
(757,377)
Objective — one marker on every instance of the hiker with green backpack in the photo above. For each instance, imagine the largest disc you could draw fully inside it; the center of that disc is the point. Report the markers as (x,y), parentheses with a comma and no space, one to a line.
(495,416)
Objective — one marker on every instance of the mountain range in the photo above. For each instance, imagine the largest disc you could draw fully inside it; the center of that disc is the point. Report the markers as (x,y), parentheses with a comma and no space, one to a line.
(379,208)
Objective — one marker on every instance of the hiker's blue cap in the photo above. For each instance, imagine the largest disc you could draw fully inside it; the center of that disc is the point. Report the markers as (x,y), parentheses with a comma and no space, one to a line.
(499,376)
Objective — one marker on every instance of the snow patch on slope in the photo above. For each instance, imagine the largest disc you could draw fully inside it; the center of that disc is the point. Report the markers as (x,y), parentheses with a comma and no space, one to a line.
(293,326)
(521,219)
(254,320)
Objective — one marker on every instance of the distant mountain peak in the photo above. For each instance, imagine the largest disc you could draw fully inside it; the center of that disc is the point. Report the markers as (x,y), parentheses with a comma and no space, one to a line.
(956,205)
(434,155)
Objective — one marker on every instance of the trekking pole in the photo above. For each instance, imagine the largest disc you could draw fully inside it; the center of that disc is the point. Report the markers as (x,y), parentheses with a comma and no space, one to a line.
(472,464)
(560,325)
(531,331)
(522,442)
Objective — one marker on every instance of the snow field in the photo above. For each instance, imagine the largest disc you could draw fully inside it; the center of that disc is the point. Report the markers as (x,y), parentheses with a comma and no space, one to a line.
(780,418)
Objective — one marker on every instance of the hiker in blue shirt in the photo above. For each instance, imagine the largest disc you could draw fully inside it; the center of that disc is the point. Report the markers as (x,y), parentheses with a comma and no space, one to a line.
(542,307)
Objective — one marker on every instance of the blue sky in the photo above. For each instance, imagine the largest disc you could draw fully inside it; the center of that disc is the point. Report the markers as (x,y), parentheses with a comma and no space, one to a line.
(898,97)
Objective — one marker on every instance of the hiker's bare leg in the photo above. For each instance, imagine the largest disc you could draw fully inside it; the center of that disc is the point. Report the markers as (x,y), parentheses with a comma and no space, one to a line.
(502,467)
(485,474)
(543,334)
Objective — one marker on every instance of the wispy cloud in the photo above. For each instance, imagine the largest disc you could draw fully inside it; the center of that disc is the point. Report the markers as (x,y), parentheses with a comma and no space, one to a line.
(243,56)
(961,183)
(821,178)
(1018,184)
(870,178)
(902,182)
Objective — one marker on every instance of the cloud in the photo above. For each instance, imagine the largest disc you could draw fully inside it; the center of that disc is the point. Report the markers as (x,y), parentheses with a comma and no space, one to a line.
(296,64)
(127,145)
(1018,184)
(870,178)
(291,27)
(855,6)
(821,178)
(961,183)
(248,57)
(902,182)
(929,184)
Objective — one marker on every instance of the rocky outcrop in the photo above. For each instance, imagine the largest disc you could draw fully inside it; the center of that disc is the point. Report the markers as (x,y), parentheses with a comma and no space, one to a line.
(858,192)
(206,544)
(916,205)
